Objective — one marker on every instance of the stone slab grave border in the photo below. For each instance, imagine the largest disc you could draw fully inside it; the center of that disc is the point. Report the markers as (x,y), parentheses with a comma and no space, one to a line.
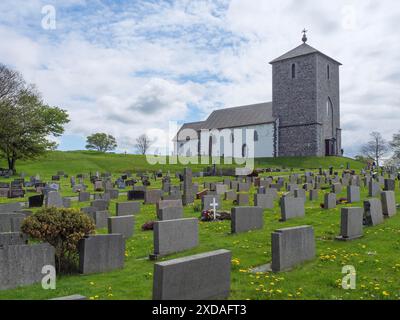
(204,276)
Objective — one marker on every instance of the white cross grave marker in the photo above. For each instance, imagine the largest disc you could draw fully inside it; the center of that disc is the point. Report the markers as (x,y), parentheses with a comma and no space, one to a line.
(214,206)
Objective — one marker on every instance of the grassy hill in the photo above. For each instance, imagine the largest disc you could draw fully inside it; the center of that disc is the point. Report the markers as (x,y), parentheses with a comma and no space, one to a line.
(74,162)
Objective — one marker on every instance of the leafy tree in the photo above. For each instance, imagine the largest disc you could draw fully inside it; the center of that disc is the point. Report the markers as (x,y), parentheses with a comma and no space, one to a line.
(101,142)
(395,145)
(143,144)
(26,122)
(376,148)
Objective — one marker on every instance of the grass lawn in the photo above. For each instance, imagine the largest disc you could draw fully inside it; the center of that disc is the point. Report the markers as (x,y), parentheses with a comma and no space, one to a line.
(375,256)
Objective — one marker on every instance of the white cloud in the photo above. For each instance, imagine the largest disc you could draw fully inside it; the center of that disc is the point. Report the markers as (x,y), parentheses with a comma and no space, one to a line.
(131,68)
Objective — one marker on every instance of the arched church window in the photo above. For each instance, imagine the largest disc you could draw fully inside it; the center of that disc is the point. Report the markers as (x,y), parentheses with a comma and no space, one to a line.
(329,108)
(293,71)
(328,72)
(255,136)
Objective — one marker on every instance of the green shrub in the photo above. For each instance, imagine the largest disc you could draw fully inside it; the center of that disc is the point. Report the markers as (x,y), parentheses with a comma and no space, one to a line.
(62,228)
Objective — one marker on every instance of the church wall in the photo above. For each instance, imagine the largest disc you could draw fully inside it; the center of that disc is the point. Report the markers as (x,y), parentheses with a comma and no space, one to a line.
(328,88)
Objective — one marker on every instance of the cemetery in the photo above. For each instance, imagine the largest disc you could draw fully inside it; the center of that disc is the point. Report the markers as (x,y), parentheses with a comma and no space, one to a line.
(285,232)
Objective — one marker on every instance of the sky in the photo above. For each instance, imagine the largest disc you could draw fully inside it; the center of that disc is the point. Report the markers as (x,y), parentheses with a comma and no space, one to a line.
(130,67)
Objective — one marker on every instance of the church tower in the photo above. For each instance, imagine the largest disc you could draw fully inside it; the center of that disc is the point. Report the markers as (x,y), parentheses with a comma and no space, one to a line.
(306,103)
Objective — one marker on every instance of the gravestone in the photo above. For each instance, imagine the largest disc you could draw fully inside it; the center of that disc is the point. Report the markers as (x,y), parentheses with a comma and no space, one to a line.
(101,253)
(291,208)
(12,239)
(388,200)
(53,199)
(221,189)
(121,225)
(351,224)
(336,188)
(188,196)
(204,276)
(242,199)
(172,236)
(243,187)
(207,200)
(353,194)
(168,203)
(291,247)
(300,193)
(135,195)
(36,201)
(313,195)
(127,208)
(264,201)
(100,205)
(373,212)
(66,202)
(170,213)
(21,265)
(84,196)
(152,196)
(230,195)
(373,188)
(246,218)
(390,185)
(113,194)
(100,218)
(329,201)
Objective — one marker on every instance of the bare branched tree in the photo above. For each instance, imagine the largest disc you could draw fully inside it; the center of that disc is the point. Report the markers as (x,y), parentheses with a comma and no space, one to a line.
(376,148)
(143,144)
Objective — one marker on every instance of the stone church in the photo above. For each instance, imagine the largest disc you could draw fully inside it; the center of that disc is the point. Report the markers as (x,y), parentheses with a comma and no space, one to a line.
(303,118)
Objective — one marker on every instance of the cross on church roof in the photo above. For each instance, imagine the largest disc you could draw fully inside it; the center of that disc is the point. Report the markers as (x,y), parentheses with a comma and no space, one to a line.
(304,35)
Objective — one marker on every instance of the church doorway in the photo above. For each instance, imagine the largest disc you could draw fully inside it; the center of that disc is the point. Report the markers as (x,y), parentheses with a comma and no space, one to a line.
(330,146)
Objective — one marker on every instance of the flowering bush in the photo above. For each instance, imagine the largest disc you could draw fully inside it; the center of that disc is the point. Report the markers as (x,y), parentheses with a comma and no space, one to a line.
(62,228)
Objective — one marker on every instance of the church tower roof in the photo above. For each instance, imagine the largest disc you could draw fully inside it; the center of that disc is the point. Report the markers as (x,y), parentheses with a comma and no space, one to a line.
(301,50)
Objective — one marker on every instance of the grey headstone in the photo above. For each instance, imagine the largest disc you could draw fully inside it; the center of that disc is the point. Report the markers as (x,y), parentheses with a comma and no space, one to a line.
(351,225)
(330,201)
(127,208)
(203,276)
(122,225)
(291,208)
(10,207)
(208,199)
(246,218)
(373,212)
(353,194)
(13,238)
(388,200)
(170,213)
(152,196)
(21,265)
(242,199)
(264,201)
(101,253)
(173,236)
(313,195)
(291,247)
